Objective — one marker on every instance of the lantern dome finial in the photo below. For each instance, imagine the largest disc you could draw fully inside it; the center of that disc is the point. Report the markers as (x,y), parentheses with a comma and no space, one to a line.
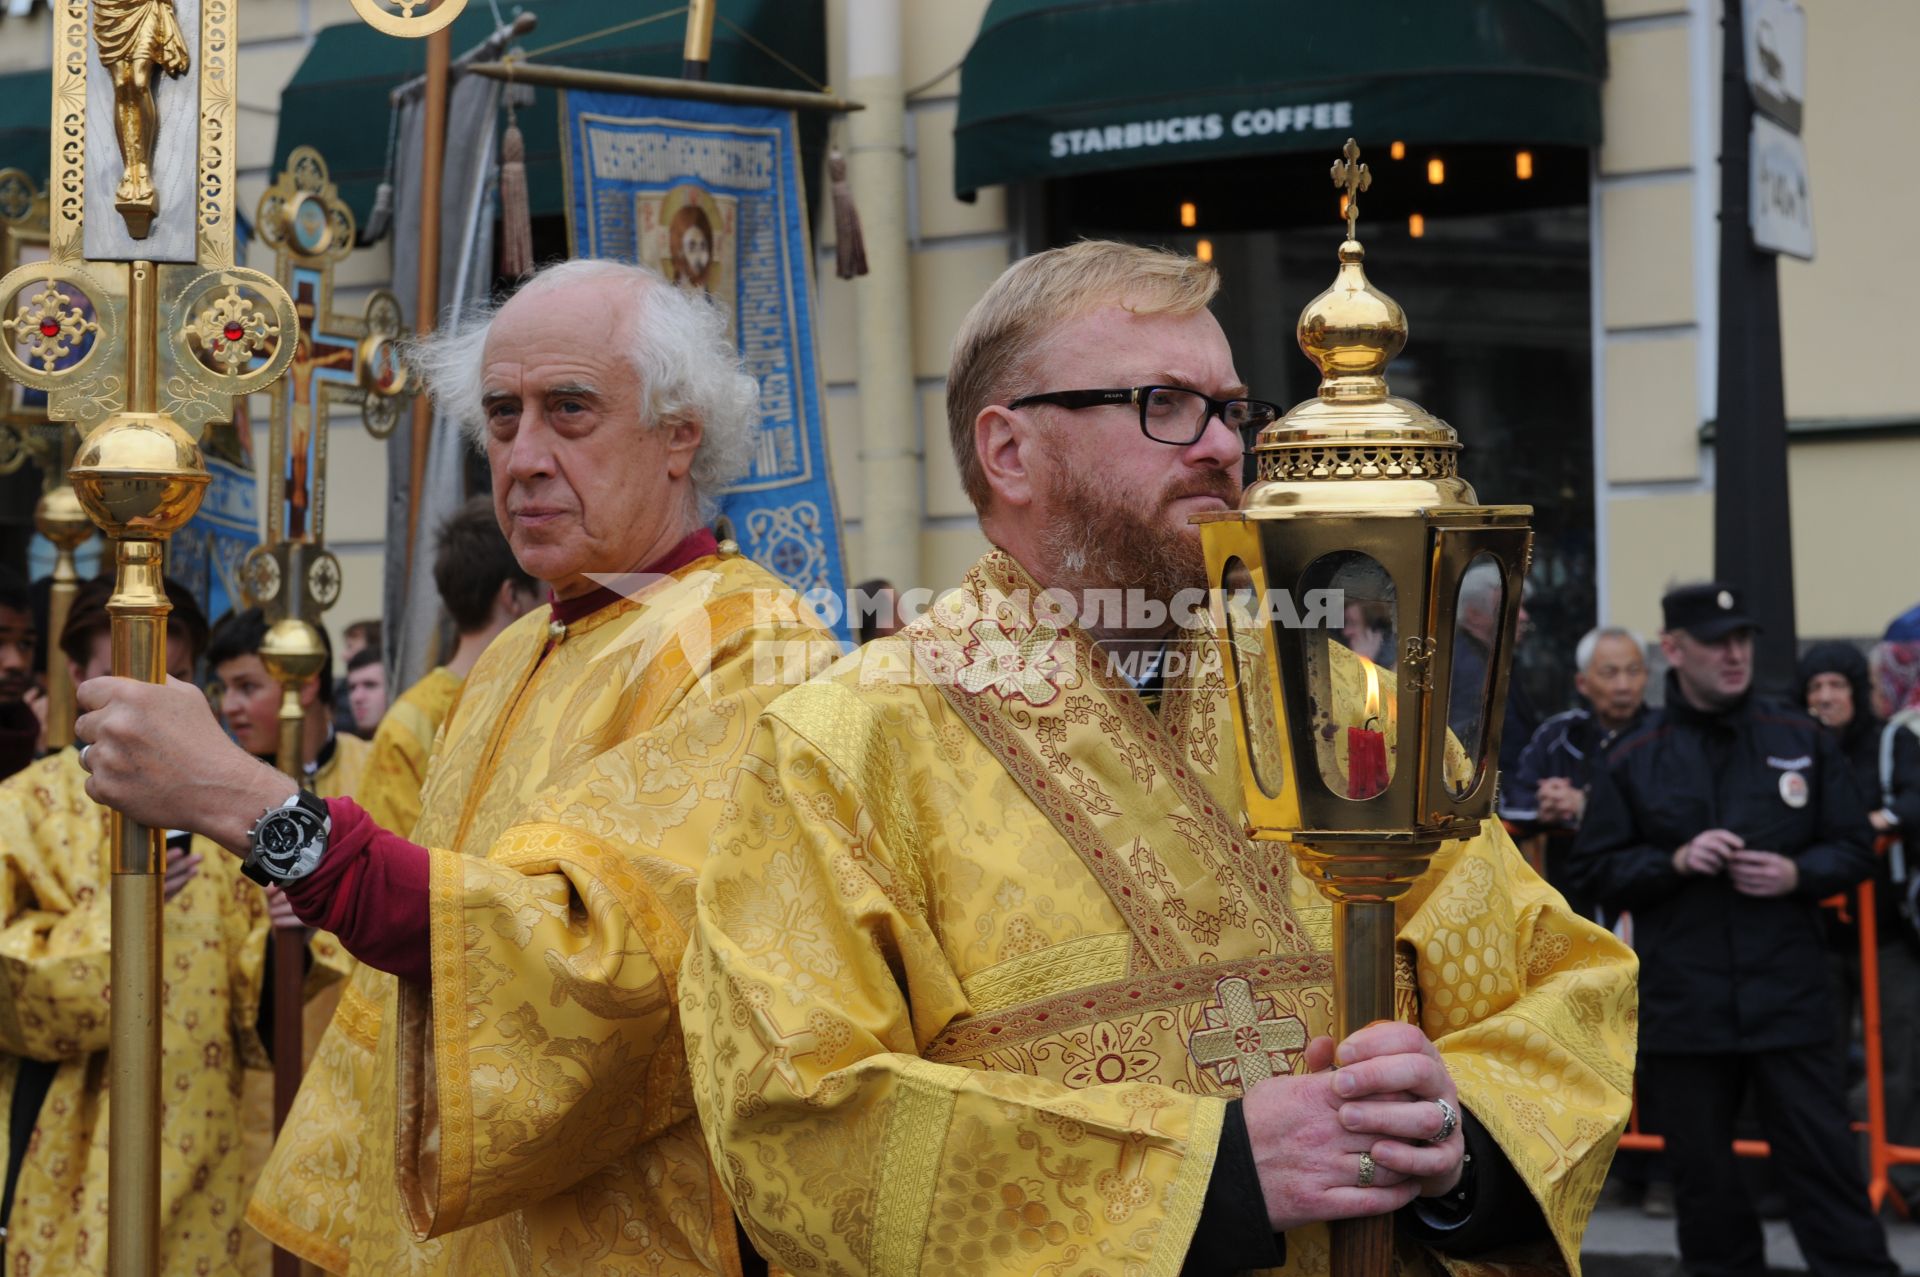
(1352,331)
(1353,441)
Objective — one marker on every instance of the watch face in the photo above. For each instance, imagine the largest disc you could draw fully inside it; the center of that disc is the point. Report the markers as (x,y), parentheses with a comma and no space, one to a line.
(283,835)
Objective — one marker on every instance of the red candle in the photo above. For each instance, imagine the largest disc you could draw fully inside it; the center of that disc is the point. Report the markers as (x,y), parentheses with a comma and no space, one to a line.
(1366,762)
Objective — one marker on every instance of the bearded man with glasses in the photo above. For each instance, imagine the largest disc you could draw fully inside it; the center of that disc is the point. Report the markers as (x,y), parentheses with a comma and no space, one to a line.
(987,978)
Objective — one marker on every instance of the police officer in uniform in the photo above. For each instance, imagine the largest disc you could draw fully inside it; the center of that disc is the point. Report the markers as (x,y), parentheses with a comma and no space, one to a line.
(1720,828)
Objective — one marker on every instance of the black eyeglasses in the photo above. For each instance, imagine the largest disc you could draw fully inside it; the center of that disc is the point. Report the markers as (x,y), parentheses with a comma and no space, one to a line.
(1169,414)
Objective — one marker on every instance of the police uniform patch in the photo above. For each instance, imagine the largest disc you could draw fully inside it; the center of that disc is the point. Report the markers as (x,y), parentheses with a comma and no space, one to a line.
(1793,789)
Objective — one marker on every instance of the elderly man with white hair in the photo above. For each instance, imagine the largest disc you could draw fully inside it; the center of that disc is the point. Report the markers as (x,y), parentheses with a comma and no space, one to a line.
(503,1088)
(1479,621)
(1546,793)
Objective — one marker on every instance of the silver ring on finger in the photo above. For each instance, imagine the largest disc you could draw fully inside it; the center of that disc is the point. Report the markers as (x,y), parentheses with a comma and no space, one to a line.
(84,751)
(1449,1122)
(1366,1170)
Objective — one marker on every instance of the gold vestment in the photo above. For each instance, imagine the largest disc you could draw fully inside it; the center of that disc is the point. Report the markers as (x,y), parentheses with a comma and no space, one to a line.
(402,744)
(55,955)
(529,1112)
(981,952)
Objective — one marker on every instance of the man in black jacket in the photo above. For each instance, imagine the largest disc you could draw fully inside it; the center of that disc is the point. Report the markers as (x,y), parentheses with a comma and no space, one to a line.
(1721,828)
(1547,792)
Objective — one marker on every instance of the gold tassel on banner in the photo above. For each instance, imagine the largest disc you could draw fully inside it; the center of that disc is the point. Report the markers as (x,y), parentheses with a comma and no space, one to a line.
(516,222)
(849,245)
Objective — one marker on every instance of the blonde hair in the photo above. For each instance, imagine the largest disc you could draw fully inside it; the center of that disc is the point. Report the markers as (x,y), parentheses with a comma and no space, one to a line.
(994,350)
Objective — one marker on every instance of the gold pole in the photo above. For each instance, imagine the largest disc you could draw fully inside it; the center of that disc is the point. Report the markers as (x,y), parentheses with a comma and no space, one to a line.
(662,86)
(1362,993)
(61,519)
(426,315)
(697,56)
(140,477)
(293,653)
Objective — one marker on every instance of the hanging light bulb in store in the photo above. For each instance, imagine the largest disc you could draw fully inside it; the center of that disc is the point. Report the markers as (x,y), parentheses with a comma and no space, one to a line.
(1523,165)
(1416,225)
(1204,250)
(1436,171)
(1189,214)
(1398,150)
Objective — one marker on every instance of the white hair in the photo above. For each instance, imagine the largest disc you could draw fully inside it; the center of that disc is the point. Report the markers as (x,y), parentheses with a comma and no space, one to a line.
(677,345)
(1583,653)
(1481,585)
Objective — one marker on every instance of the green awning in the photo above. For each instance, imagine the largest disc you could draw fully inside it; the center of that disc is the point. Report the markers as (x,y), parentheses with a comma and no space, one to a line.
(1052,88)
(337,101)
(26,107)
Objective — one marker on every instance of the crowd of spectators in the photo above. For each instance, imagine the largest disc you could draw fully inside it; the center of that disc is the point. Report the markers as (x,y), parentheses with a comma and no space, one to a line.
(1715,832)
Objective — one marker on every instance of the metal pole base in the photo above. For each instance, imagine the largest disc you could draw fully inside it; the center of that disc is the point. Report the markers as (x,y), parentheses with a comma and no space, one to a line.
(1362,993)
(133,1071)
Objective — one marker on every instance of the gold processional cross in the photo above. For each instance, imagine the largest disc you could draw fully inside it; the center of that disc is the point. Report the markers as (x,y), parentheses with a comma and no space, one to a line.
(292,577)
(142,330)
(336,357)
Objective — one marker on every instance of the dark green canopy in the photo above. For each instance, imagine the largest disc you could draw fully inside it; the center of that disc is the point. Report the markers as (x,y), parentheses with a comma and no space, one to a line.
(338,100)
(26,107)
(1056,87)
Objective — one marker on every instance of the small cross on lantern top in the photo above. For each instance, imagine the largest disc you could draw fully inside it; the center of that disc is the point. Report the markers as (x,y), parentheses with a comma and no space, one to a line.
(1352,177)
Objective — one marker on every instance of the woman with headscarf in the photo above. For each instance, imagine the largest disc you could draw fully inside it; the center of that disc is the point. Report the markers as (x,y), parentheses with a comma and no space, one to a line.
(1837,690)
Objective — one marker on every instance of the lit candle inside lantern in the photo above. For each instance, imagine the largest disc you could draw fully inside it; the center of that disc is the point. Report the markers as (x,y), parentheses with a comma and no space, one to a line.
(1367,745)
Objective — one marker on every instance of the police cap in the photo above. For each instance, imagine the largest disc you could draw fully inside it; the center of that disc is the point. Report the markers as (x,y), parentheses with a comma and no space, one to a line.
(1709,611)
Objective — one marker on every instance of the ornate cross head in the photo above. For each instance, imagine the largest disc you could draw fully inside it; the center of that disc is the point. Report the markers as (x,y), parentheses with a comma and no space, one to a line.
(1352,177)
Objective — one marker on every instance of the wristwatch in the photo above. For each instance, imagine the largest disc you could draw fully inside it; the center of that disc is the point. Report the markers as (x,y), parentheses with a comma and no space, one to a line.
(286,843)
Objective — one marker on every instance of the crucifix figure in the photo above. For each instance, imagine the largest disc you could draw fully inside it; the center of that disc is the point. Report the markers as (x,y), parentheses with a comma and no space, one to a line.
(302,405)
(136,39)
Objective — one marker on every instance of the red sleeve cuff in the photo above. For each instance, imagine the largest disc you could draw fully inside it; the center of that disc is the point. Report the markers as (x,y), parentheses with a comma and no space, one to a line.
(371,891)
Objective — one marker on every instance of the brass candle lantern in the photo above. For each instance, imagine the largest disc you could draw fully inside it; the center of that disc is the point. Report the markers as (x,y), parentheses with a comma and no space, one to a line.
(1368,738)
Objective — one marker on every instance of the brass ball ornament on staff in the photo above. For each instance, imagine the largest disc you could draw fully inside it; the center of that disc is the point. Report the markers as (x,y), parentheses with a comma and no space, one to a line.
(1363,767)
(60,517)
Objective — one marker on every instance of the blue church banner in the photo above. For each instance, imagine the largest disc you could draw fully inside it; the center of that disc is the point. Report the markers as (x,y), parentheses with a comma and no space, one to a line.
(710,196)
(205,556)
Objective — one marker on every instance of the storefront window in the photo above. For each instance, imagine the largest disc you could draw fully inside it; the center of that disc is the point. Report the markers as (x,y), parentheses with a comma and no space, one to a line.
(1494,272)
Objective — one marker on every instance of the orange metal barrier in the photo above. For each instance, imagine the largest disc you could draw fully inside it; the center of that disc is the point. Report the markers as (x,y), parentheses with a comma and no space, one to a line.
(1882,1155)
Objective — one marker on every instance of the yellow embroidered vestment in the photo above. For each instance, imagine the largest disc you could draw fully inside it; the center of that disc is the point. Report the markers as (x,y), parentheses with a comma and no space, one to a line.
(981,953)
(529,1112)
(397,767)
(54,963)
